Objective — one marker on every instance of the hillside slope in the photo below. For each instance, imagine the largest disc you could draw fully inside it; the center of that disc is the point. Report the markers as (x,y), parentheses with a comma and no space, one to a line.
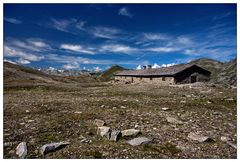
(222,73)
(16,75)
(108,74)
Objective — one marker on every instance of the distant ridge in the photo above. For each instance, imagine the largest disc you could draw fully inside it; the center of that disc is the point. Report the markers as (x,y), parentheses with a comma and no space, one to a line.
(109,73)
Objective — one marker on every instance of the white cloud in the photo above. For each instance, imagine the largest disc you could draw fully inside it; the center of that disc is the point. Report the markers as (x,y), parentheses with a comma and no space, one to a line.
(60,25)
(105,32)
(125,12)
(12,52)
(155,36)
(138,67)
(80,25)
(117,48)
(162,49)
(76,48)
(184,40)
(10,61)
(39,44)
(31,45)
(156,66)
(12,20)
(73,65)
(23,61)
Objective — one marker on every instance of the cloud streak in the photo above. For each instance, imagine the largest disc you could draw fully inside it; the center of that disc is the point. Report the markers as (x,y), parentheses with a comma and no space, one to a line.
(76,48)
(125,12)
(12,20)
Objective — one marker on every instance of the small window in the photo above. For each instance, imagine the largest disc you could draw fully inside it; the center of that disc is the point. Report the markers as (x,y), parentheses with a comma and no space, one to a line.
(163,79)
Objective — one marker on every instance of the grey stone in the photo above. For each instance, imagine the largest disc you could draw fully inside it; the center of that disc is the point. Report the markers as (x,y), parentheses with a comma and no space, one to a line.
(199,138)
(104,131)
(115,135)
(165,108)
(130,132)
(21,150)
(228,141)
(52,147)
(86,140)
(99,122)
(139,141)
(174,120)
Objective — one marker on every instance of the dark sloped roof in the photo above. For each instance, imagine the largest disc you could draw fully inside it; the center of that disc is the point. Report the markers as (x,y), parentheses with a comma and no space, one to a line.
(166,71)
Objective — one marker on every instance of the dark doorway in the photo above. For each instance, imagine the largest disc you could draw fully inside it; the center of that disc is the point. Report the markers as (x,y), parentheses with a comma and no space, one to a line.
(193,79)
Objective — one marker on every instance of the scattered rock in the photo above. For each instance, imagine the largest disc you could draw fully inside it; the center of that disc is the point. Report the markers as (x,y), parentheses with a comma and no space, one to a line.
(104,131)
(21,150)
(165,108)
(115,134)
(227,140)
(86,140)
(30,121)
(209,102)
(77,112)
(123,107)
(199,138)
(139,141)
(27,111)
(183,101)
(174,120)
(99,122)
(130,132)
(229,99)
(9,144)
(102,106)
(52,147)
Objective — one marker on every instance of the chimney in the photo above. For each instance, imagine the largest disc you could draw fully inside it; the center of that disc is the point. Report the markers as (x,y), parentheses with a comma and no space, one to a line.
(149,66)
(144,67)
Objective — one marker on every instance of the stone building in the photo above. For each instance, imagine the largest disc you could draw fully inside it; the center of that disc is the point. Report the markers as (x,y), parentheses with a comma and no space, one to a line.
(177,74)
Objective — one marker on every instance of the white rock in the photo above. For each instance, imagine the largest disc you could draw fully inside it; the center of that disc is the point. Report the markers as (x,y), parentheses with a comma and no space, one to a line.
(99,122)
(21,150)
(104,131)
(130,132)
(173,120)
(123,107)
(139,141)
(165,108)
(199,138)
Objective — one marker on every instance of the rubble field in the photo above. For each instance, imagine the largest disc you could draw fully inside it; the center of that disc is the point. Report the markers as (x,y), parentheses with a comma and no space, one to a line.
(192,121)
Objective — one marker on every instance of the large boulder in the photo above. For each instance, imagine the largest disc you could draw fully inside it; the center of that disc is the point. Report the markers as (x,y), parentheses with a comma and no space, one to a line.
(130,132)
(115,134)
(104,131)
(139,141)
(198,137)
(52,147)
(99,122)
(21,150)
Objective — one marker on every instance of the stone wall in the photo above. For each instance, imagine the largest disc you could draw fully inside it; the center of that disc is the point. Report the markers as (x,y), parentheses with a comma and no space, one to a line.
(158,80)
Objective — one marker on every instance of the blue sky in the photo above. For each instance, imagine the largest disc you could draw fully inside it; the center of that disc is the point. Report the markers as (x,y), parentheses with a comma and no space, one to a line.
(97,36)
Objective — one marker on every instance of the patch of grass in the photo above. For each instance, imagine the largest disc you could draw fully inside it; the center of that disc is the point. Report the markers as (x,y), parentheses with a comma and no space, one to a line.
(170,148)
(93,154)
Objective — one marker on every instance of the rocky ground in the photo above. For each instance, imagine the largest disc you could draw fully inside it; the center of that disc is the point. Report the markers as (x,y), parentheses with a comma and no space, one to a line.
(193,121)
